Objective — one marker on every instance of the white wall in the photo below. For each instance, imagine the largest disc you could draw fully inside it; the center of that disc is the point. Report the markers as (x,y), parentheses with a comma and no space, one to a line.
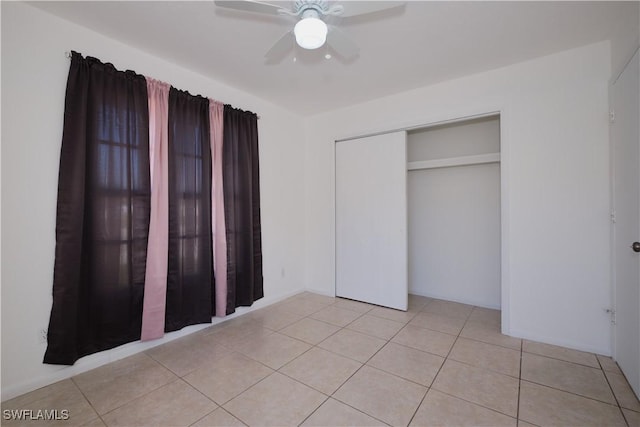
(555,196)
(34,74)
(626,38)
(454,234)
(454,215)
(466,138)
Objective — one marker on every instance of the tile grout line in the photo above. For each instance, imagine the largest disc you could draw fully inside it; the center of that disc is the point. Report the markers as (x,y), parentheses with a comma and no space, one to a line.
(248,387)
(330,396)
(355,409)
(376,336)
(242,392)
(333,324)
(439,369)
(135,398)
(308,316)
(476,404)
(87,399)
(387,341)
(278,369)
(519,382)
(615,405)
(312,346)
(568,391)
(473,366)
(571,392)
(314,411)
(484,369)
(361,314)
(405,323)
(563,360)
(207,414)
(203,395)
(417,349)
(231,350)
(365,364)
(333,304)
(491,343)
(624,417)
(144,395)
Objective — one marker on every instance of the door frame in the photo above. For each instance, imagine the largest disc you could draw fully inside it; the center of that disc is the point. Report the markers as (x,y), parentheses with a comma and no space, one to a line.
(613,199)
(449,118)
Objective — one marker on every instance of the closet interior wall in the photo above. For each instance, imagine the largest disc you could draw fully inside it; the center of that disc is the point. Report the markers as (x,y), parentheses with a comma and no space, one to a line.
(453,188)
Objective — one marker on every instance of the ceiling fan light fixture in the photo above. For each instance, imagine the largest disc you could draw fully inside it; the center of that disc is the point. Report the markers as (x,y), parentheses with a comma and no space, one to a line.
(311,33)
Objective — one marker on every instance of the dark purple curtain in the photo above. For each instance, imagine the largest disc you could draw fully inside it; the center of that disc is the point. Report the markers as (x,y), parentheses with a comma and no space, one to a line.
(103,212)
(241,180)
(190,272)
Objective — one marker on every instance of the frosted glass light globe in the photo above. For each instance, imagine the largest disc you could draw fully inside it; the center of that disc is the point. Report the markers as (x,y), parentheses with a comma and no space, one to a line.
(311,33)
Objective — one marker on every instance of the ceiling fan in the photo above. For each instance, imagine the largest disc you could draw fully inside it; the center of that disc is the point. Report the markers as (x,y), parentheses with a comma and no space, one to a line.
(312,31)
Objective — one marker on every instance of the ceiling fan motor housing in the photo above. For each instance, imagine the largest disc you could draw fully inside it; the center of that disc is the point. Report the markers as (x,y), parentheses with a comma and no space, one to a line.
(303,6)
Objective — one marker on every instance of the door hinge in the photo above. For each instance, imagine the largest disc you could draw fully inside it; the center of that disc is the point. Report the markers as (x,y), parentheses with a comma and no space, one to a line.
(612,313)
(612,116)
(613,216)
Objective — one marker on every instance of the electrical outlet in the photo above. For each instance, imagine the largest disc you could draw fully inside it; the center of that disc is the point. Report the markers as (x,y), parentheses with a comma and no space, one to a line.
(42,336)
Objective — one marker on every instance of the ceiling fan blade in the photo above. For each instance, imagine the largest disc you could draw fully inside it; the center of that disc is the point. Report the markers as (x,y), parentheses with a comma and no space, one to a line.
(354,8)
(280,48)
(341,43)
(250,6)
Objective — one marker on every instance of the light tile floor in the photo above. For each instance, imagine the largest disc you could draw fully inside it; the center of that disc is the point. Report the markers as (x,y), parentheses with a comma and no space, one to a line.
(318,361)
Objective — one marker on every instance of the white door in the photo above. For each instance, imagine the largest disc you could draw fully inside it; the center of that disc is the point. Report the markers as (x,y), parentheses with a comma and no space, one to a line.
(625,139)
(371,220)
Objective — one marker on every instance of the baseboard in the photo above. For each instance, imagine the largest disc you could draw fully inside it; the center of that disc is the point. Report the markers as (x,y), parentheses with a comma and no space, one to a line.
(448,298)
(321,292)
(562,343)
(99,359)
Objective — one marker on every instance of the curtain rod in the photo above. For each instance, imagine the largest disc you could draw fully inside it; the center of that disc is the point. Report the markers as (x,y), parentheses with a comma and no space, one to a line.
(68,55)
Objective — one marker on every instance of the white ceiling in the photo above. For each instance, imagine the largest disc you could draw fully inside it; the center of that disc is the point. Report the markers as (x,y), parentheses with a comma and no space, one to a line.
(412,46)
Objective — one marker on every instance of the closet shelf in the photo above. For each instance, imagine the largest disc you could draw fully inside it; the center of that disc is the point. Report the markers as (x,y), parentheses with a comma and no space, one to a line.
(455,161)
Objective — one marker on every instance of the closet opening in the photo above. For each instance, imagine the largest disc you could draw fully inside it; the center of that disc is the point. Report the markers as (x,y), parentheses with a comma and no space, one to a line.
(453,211)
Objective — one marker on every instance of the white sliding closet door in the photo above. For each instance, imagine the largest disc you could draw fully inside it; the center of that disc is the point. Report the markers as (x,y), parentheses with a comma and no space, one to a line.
(371,220)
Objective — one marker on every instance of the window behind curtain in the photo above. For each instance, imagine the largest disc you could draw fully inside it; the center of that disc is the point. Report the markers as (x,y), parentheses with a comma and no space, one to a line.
(103,212)
(241,176)
(103,207)
(190,272)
